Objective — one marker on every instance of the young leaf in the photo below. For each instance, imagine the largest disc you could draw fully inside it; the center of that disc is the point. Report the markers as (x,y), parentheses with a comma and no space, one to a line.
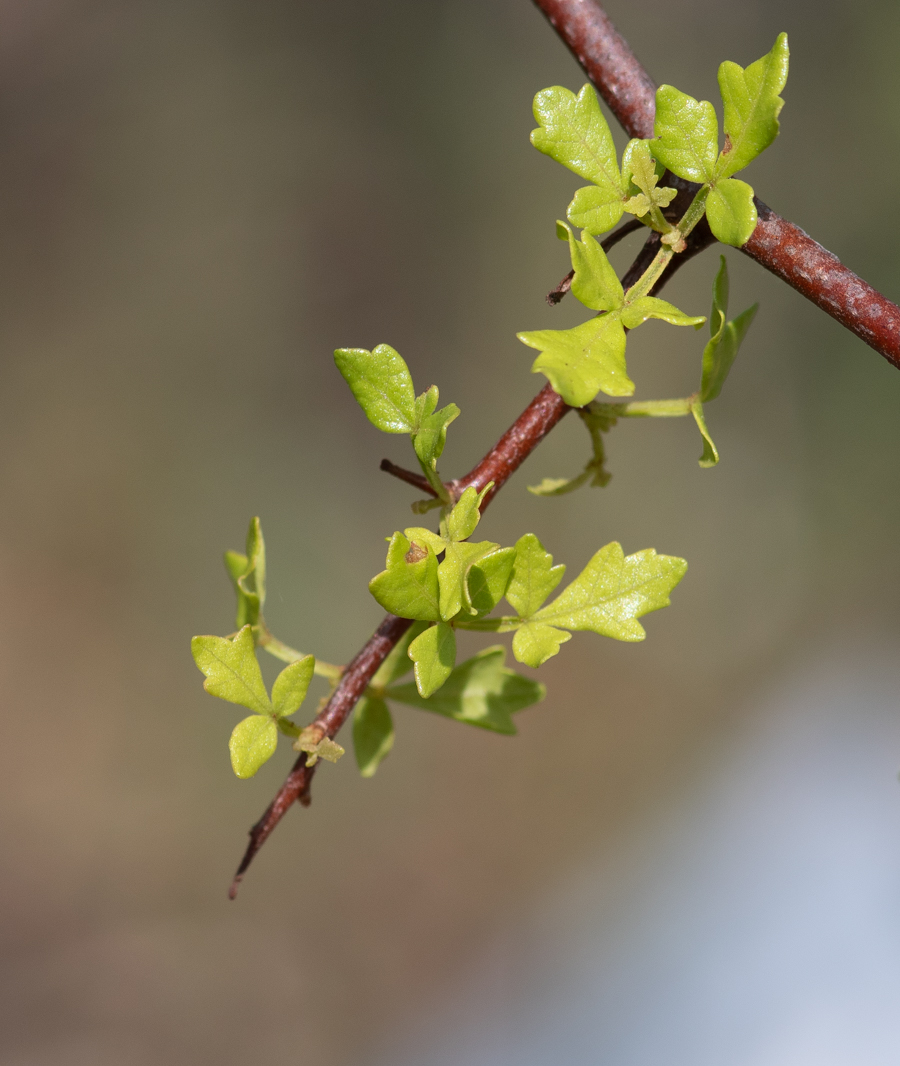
(725,338)
(752,106)
(731,212)
(248,573)
(641,174)
(687,134)
(592,211)
(595,471)
(232,672)
(710,454)
(595,283)
(574,132)
(645,307)
(534,576)
(464,518)
(534,644)
(431,435)
(252,743)
(580,362)
(317,746)
(289,690)
(434,655)
(453,573)
(489,579)
(613,591)
(480,691)
(408,587)
(373,734)
(381,382)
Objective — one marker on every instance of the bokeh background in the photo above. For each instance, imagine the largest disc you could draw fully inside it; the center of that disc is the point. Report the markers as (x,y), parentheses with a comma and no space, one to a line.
(690,852)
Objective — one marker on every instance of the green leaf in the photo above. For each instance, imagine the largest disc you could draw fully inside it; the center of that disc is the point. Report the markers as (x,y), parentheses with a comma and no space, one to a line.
(580,362)
(534,576)
(464,518)
(453,574)
(426,404)
(613,591)
(398,662)
(248,574)
(731,212)
(434,655)
(710,454)
(752,106)
(289,690)
(559,486)
(534,643)
(725,338)
(687,134)
(381,382)
(252,743)
(645,307)
(641,173)
(595,283)
(232,672)
(489,579)
(373,734)
(574,132)
(431,435)
(480,691)
(408,586)
(317,745)
(591,211)
(595,471)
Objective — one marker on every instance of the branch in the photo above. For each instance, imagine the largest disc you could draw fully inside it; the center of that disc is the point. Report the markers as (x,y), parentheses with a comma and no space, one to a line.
(411,478)
(776,244)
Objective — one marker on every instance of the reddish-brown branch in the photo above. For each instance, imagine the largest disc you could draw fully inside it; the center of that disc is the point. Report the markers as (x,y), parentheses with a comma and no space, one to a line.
(776,244)
(411,478)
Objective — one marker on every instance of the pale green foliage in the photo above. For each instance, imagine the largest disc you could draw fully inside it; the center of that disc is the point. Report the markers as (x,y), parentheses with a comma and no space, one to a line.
(595,473)
(643,172)
(489,578)
(434,655)
(731,212)
(408,586)
(232,673)
(313,741)
(534,576)
(752,106)
(373,734)
(725,337)
(248,574)
(686,132)
(582,361)
(480,691)
(381,382)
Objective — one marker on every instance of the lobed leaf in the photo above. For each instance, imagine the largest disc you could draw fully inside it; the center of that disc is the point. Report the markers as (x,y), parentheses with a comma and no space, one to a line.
(408,586)
(232,671)
(464,518)
(687,134)
(480,692)
(595,282)
(381,382)
(645,307)
(535,643)
(731,212)
(534,576)
(574,132)
(489,578)
(453,574)
(434,655)
(752,106)
(373,734)
(579,362)
(252,743)
(398,662)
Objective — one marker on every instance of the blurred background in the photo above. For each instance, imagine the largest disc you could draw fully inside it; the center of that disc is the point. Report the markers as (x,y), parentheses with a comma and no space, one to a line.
(691,851)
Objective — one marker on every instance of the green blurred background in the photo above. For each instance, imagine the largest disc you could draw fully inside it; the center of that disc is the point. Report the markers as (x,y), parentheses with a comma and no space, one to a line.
(200,201)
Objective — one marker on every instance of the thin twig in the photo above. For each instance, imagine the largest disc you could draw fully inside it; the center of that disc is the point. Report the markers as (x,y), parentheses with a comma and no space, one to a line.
(411,478)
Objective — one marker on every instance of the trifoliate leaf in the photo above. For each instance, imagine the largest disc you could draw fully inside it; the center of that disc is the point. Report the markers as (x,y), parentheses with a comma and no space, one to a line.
(534,643)
(252,743)
(645,307)
(725,338)
(534,576)
(408,587)
(232,672)
(580,362)
(595,282)
(381,382)
(373,734)
(752,106)
(289,690)
(480,691)
(431,435)
(398,662)
(710,454)
(489,579)
(641,174)
(434,655)
(731,212)
(687,134)
(574,132)
(613,591)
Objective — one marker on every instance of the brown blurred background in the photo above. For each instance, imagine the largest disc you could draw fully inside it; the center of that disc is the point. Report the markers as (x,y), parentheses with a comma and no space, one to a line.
(199,202)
